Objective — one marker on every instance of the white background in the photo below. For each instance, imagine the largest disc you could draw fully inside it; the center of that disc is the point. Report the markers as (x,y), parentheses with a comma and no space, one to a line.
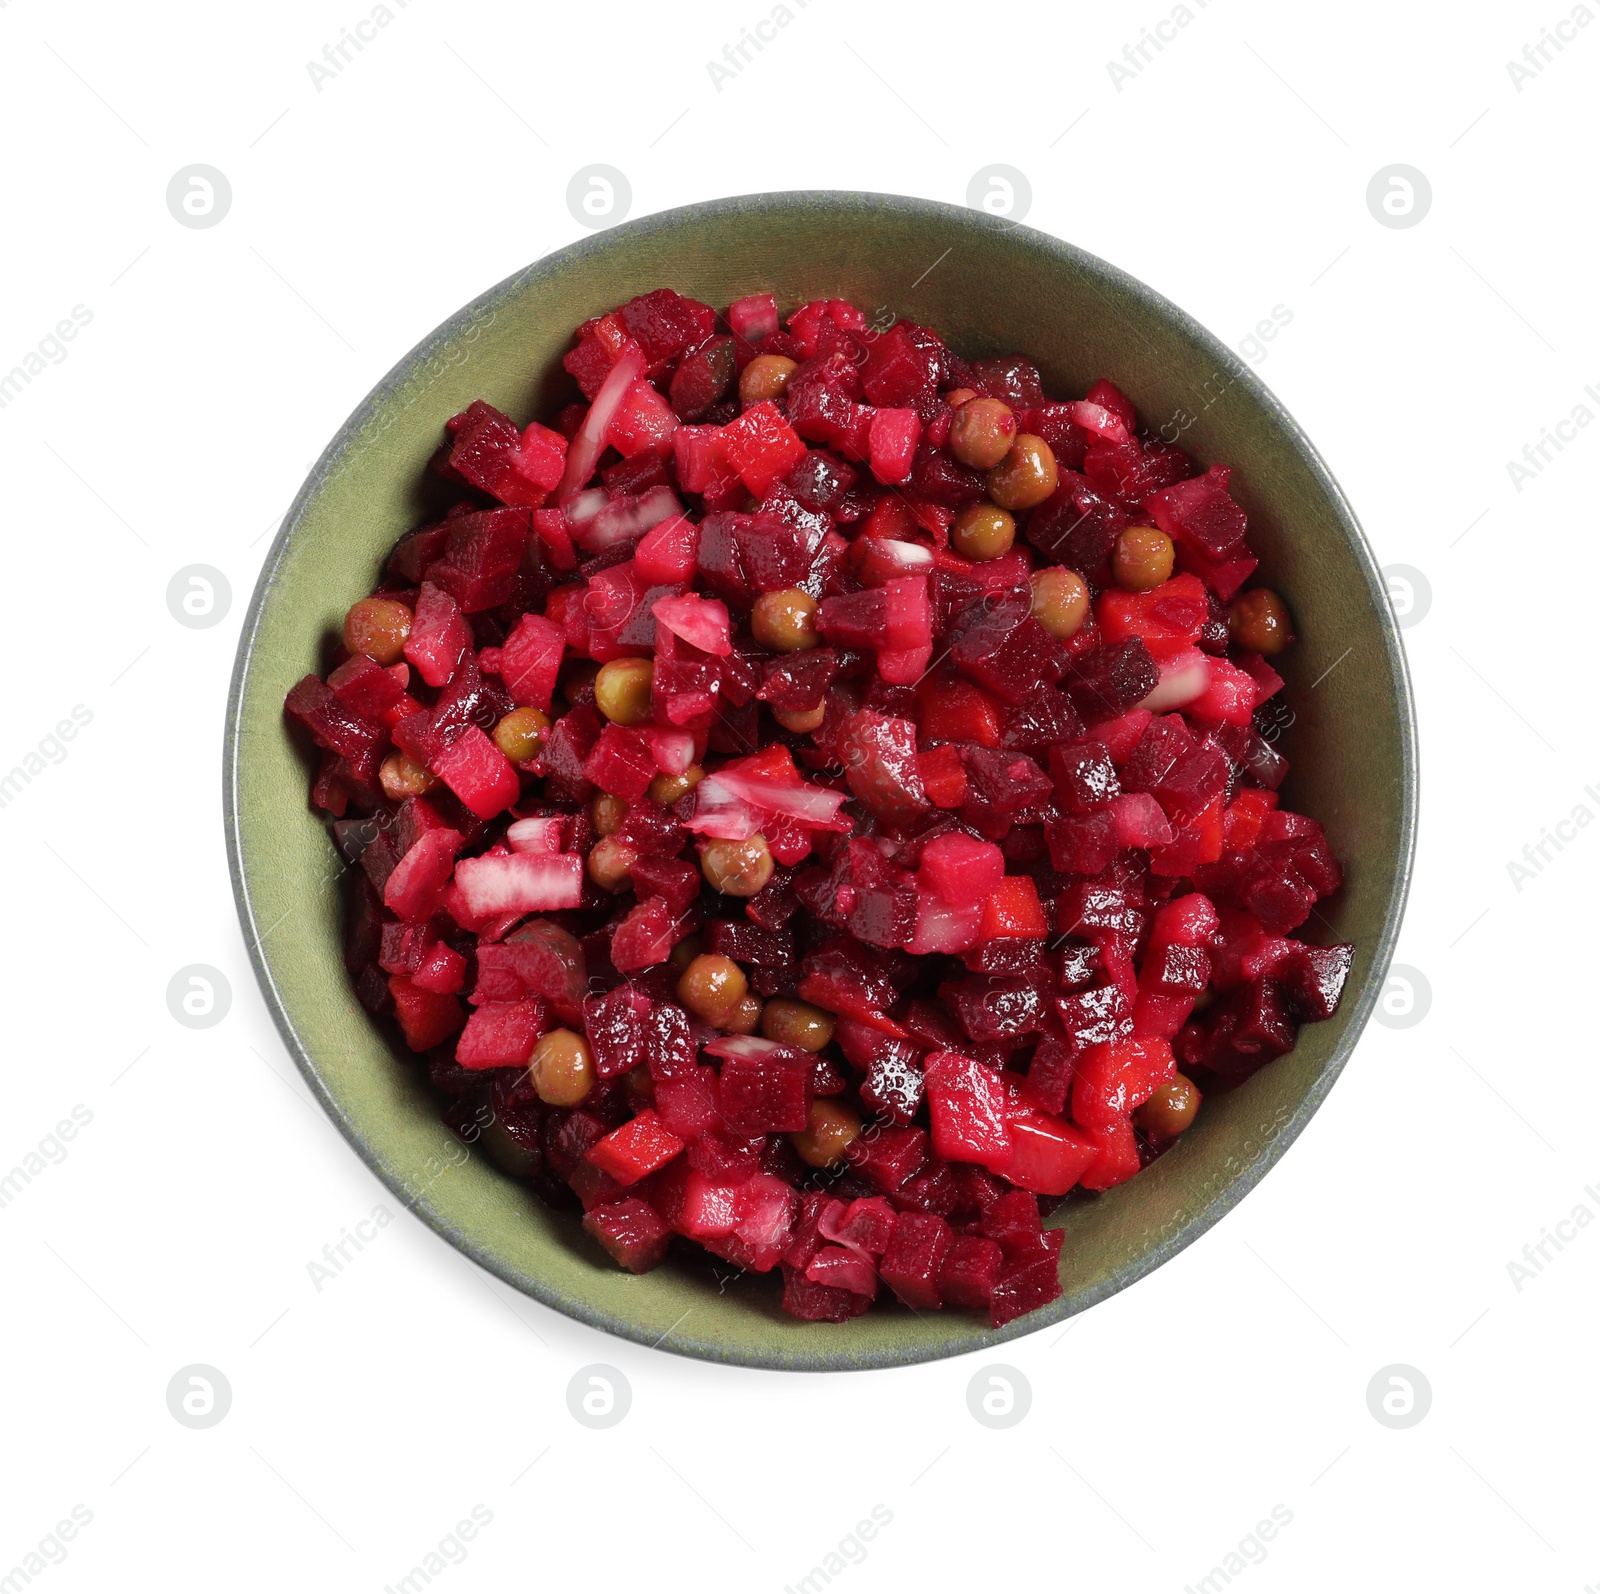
(368,1418)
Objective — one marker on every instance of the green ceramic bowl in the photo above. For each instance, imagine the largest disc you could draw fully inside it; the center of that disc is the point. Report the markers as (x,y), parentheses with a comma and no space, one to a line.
(989,287)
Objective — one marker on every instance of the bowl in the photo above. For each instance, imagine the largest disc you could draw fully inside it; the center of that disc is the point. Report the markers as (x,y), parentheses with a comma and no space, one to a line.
(989,287)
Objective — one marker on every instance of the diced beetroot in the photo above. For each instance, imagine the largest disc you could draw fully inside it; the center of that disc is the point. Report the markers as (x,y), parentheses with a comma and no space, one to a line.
(944,776)
(368,690)
(1000,646)
(754,318)
(961,869)
(765,1094)
(700,459)
(762,446)
(1121,735)
(666,554)
(441,969)
(531,660)
(967,1109)
(1119,1156)
(630,1230)
(943,928)
(639,1147)
(968,1273)
(701,622)
(413,888)
(676,883)
(643,423)
(891,444)
(500,1034)
(1084,844)
(621,762)
(916,1253)
(439,635)
(550,527)
(482,558)
(427,1018)
(1114,1077)
(1027,1281)
(687,1100)
(888,1158)
(1048,1155)
(1013,909)
(647,935)
(616,1026)
(1138,821)
(898,369)
(478,773)
(819,1303)
(1111,679)
(881,765)
(1201,513)
(1230,695)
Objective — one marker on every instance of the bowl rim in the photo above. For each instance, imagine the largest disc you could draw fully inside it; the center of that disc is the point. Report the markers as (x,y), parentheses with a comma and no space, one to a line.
(1288,1129)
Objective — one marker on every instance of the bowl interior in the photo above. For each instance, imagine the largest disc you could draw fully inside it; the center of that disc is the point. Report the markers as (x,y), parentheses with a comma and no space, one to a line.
(989,288)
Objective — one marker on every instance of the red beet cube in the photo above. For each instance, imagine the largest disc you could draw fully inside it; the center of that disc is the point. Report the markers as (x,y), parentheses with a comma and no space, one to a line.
(765,1093)
(442,969)
(640,1146)
(646,937)
(819,1303)
(1119,1156)
(880,760)
(1083,843)
(916,1253)
(500,1034)
(664,324)
(1114,1077)
(416,882)
(1048,1155)
(891,444)
(631,1231)
(1109,680)
(615,1023)
(888,1158)
(1013,909)
(1027,1281)
(838,1267)
(762,446)
(478,773)
(439,635)
(897,369)
(531,660)
(968,1273)
(967,1109)
(995,1007)
(1200,512)
(687,1101)
(427,1018)
(1084,776)
(482,557)
(621,763)
(666,555)
(332,723)
(1003,649)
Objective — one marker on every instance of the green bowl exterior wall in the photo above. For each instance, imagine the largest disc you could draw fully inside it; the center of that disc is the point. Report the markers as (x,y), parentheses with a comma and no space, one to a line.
(988,287)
